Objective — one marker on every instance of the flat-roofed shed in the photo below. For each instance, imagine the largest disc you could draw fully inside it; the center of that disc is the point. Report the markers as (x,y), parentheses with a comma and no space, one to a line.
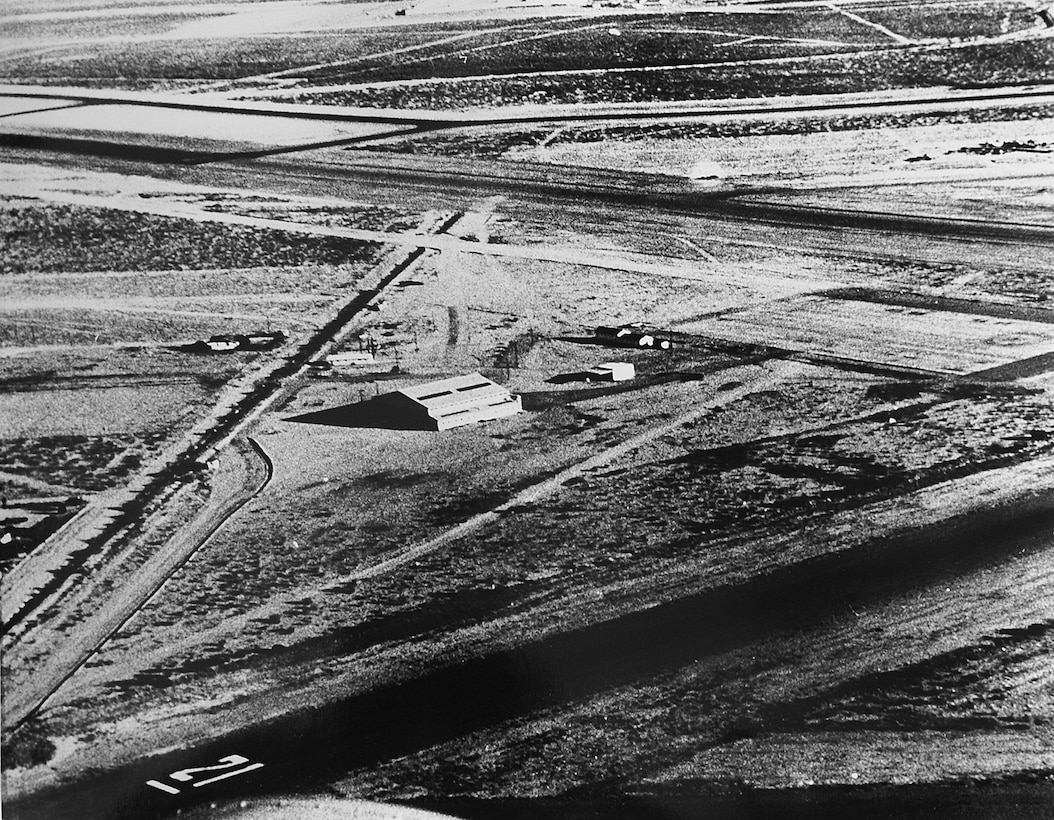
(454,402)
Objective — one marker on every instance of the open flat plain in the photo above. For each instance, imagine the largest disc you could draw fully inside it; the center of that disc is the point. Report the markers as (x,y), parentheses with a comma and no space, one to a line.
(801,565)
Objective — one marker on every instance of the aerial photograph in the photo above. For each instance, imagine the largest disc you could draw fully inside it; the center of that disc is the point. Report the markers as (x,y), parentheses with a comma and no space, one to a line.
(527,409)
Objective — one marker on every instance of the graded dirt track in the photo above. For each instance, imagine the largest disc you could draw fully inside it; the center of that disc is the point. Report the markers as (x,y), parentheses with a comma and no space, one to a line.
(239,475)
(837,104)
(642,202)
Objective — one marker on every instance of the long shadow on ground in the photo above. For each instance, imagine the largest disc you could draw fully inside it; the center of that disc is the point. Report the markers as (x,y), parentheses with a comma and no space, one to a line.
(306,748)
(376,413)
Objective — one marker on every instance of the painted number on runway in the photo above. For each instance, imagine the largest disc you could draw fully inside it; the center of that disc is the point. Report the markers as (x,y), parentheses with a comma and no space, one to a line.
(228,767)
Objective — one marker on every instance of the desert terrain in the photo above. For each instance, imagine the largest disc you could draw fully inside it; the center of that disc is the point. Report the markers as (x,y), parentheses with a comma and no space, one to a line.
(801,564)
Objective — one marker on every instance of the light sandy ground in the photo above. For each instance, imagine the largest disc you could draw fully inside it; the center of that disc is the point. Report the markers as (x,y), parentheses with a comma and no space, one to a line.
(17,106)
(248,18)
(940,341)
(824,159)
(295,16)
(317,808)
(127,123)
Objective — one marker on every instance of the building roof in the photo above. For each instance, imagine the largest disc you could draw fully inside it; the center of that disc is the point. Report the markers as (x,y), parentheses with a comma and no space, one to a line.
(453,402)
(450,395)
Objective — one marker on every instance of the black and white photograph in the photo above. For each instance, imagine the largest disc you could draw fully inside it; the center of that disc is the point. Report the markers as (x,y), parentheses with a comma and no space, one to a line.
(527,410)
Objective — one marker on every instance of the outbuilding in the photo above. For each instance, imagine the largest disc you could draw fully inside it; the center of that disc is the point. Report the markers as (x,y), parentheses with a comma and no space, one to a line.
(350,358)
(454,402)
(263,339)
(611,372)
(221,344)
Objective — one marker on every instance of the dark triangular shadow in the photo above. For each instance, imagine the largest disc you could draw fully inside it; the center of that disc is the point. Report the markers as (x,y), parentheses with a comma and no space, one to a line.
(583,340)
(379,412)
(567,378)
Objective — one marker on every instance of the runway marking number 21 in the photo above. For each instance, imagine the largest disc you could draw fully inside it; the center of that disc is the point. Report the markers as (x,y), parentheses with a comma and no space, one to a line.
(227,765)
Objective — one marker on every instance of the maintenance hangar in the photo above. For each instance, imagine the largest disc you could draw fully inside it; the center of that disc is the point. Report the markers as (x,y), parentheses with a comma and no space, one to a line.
(454,402)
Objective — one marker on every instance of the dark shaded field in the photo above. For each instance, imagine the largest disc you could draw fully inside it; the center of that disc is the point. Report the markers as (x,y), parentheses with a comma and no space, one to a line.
(448,703)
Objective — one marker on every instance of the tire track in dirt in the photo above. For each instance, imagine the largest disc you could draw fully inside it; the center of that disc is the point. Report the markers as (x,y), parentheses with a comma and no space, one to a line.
(229,85)
(586,72)
(589,257)
(856,18)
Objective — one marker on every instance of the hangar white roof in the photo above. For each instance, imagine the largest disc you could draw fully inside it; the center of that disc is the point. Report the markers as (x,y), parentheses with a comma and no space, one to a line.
(462,400)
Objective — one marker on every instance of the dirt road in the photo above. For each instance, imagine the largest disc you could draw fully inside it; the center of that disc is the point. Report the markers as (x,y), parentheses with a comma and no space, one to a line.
(240,473)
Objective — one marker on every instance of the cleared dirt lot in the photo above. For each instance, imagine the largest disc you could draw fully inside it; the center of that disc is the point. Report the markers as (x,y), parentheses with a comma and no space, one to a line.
(937,341)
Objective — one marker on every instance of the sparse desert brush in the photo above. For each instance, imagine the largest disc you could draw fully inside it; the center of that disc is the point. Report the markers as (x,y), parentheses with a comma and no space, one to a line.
(57,238)
(989,64)
(88,463)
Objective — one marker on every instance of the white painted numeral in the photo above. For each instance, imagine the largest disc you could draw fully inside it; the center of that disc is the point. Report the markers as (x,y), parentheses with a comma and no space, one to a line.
(229,774)
(184,775)
(187,775)
(159,785)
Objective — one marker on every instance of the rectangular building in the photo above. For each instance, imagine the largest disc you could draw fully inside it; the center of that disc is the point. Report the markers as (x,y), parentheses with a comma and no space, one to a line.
(612,372)
(350,358)
(454,402)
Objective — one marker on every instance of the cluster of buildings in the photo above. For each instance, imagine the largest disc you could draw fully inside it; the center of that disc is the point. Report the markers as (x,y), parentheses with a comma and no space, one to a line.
(472,398)
(466,399)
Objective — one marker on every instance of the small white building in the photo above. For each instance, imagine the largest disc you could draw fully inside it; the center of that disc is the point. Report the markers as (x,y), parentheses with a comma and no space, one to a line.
(222,344)
(350,358)
(454,402)
(612,372)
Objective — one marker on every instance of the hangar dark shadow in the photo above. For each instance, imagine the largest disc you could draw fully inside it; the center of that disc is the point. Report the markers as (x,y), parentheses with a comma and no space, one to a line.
(379,412)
